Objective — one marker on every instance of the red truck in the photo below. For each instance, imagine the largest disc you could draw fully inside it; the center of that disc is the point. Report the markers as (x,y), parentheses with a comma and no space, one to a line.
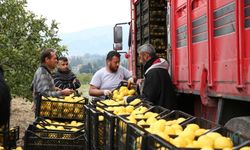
(206,43)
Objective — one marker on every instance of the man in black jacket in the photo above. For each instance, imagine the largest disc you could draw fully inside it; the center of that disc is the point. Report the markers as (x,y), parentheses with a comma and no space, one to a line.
(157,86)
(5,99)
(64,77)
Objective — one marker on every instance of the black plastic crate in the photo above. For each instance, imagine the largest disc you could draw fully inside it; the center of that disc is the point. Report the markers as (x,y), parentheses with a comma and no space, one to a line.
(9,137)
(53,140)
(203,123)
(136,137)
(97,129)
(175,114)
(121,132)
(160,110)
(110,123)
(61,109)
(236,138)
(244,144)
(157,143)
(87,125)
(41,123)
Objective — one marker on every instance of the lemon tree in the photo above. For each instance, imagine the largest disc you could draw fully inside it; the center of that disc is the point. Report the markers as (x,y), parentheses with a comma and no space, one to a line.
(23,35)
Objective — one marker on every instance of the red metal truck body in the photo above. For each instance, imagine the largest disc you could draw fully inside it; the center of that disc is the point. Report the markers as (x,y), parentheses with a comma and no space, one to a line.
(210,48)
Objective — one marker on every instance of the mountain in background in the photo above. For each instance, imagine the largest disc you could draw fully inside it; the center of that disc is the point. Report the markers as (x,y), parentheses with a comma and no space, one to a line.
(97,40)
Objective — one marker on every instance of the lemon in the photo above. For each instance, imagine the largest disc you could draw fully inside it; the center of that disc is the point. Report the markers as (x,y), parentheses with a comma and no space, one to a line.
(193,127)
(245,148)
(74,129)
(100,118)
(205,141)
(129,109)
(135,102)
(214,135)
(223,142)
(207,148)
(177,127)
(179,142)
(148,114)
(60,128)
(141,122)
(151,120)
(115,92)
(200,132)
(180,120)
(164,136)
(187,135)
(169,130)
(39,126)
(131,92)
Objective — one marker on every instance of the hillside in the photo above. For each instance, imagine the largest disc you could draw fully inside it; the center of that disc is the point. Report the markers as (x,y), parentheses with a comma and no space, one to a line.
(97,40)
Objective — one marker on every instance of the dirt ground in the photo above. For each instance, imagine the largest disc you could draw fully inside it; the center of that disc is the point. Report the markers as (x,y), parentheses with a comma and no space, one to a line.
(21,115)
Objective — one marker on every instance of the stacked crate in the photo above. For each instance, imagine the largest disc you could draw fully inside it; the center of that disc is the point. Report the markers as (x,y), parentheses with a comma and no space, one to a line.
(8,136)
(151,27)
(59,124)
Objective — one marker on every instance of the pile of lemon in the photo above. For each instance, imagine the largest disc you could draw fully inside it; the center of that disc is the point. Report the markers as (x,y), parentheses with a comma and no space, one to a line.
(119,94)
(54,125)
(18,148)
(71,98)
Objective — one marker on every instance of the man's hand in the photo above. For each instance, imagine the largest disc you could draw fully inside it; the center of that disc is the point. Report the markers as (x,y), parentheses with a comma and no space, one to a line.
(131,80)
(139,81)
(67,92)
(107,92)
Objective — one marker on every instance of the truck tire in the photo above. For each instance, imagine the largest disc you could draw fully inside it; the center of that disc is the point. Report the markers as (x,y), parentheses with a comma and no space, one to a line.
(240,125)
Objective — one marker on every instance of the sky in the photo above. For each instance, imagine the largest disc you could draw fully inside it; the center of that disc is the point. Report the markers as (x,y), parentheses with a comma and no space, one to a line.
(77,15)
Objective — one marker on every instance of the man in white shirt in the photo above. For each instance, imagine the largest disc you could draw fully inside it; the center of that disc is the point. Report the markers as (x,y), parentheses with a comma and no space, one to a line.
(108,78)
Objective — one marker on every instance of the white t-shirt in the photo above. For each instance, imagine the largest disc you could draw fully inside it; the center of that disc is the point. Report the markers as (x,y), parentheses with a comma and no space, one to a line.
(106,80)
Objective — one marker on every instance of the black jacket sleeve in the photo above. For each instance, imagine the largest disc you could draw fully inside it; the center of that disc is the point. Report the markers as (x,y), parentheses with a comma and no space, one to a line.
(151,90)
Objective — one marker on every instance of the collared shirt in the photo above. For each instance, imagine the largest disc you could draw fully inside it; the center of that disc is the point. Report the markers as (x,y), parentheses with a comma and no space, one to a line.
(43,84)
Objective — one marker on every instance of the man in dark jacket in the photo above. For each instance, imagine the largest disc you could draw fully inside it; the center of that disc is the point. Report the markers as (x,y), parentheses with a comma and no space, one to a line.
(64,77)
(157,86)
(5,98)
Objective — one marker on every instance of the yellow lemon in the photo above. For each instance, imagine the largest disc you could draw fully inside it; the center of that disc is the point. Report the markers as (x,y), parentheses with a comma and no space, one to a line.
(205,141)
(179,142)
(151,120)
(192,127)
(200,132)
(214,135)
(245,148)
(131,92)
(223,142)
(169,130)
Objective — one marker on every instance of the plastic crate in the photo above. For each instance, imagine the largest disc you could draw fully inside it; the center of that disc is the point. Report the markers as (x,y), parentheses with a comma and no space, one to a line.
(175,114)
(97,129)
(9,137)
(136,137)
(203,123)
(61,109)
(160,110)
(53,140)
(236,138)
(43,124)
(87,125)
(121,132)
(156,143)
(110,123)
(247,143)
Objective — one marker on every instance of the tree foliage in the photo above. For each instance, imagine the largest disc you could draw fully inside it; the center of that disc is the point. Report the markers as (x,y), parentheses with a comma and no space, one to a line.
(22,37)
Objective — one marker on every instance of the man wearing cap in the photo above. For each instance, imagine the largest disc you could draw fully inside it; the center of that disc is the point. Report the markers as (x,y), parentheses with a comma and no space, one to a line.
(109,77)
